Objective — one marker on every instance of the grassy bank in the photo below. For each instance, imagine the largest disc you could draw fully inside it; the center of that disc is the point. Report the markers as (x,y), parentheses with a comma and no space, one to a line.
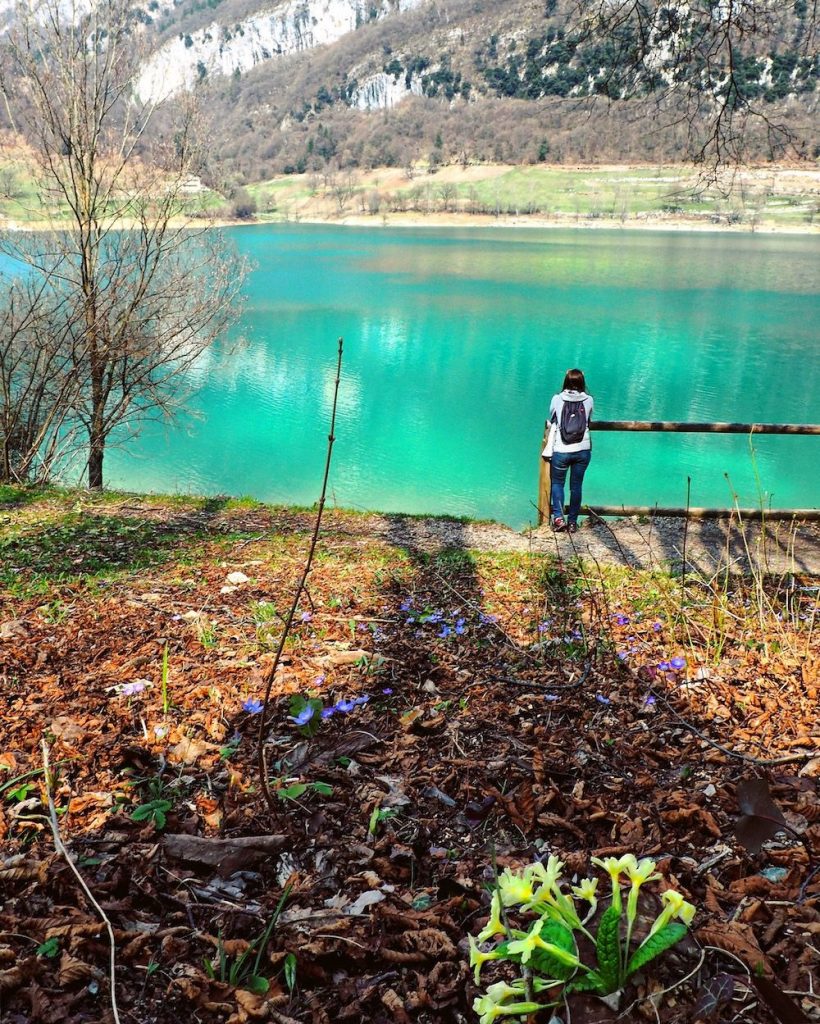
(516,704)
(768,199)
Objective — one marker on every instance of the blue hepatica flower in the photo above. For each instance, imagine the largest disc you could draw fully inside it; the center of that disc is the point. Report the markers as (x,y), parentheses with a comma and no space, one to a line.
(602,699)
(664,666)
(650,699)
(657,626)
(543,627)
(622,620)
(387,691)
(410,621)
(306,616)
(406,604)
(304,715)
(444,632)
(319,680)
(487,620)
(678,663)
(623,655)
(132,689)
(252,706)
(328,712)
(344,706)
(358,701)
(461,629)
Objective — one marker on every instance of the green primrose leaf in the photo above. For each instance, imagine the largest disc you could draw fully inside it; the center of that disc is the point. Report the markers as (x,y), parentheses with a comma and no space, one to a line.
(592,982)
(290,971)
(323,788)
(665,939)
(608,948)
(293,792)
(546,963)
(256,984)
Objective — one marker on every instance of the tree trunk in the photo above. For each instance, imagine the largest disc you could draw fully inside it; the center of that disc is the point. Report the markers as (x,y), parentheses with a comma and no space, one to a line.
(96,451)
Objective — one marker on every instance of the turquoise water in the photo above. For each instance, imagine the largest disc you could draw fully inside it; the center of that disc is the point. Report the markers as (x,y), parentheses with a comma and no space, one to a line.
(455,342)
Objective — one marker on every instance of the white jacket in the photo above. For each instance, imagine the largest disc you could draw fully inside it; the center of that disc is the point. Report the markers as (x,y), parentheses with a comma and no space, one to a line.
(556,408)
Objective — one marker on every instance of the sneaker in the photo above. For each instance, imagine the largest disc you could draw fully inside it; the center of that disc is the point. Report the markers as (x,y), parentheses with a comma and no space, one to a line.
(559,525)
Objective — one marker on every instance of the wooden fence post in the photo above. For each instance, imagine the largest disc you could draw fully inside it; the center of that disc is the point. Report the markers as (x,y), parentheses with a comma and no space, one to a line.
(543,482)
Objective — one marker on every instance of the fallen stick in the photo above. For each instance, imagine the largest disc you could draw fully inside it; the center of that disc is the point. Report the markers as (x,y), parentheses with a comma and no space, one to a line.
(63,852)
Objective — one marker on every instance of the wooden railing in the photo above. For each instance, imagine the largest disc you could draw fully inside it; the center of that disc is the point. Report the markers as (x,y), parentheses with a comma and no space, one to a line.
(674,426)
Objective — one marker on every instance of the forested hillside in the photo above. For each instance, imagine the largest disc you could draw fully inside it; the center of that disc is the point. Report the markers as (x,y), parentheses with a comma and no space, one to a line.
(296,87)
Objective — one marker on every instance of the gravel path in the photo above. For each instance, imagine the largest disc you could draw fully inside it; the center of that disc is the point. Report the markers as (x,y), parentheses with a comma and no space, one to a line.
(657,543)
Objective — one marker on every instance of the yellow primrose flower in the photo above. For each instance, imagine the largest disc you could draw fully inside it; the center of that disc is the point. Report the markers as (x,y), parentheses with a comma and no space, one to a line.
(642,871)
(533,941)
(586,890)
(638,873)
(547,874)
(495,926)
(614,867)
(676,906)
(501,991)
(514,888)
(478,959)
(489,1008)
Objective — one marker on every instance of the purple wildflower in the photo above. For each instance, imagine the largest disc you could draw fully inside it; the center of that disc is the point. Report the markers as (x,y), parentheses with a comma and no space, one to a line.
(650,699)
(252,706)
(678,663)
(657,626)
(602,699)
(444,632)
(623,655)
(551,696)
(319,680)
(344,706)
(622,620)
(410,621)
(487,620)
(388,691)
(304,715)
(543,627)
(306,616)
(328,712)
(406,604)
(460,627)
(664,666)
(358,701)
(132,689)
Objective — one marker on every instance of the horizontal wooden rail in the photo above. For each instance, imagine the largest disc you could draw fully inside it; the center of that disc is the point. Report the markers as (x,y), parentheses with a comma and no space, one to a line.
(677,427)
(806,515)
(809,515)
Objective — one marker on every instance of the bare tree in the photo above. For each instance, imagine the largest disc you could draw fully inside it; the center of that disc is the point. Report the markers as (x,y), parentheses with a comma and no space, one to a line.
(39,335)
(150,293)
(703,62)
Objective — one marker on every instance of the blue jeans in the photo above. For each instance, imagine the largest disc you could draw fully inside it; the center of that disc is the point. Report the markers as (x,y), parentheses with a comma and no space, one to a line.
(576,463)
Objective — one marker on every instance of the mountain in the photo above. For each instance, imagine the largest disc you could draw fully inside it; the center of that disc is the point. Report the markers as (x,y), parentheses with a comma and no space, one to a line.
(313,85)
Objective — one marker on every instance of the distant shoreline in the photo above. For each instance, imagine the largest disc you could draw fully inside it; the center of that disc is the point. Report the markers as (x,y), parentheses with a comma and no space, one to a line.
(466,220)
(459,221)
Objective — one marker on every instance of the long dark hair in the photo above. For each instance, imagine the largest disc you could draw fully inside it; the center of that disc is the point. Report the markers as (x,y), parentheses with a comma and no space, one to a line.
(574,381)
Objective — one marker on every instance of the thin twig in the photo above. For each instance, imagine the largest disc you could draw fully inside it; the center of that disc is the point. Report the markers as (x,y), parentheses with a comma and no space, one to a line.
(685,537)
(63,852)
(262,767)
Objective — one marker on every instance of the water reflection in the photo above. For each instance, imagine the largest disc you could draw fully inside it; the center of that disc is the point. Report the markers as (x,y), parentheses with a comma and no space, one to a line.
(454,344)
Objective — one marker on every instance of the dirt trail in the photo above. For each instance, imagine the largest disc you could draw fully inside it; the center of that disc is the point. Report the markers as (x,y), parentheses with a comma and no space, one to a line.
(658,543)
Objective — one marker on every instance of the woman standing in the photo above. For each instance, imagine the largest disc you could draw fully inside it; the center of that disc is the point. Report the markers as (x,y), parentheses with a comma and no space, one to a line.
(571,411)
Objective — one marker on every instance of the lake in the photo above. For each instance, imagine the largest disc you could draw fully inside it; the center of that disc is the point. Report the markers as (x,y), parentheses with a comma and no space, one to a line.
(455,340)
